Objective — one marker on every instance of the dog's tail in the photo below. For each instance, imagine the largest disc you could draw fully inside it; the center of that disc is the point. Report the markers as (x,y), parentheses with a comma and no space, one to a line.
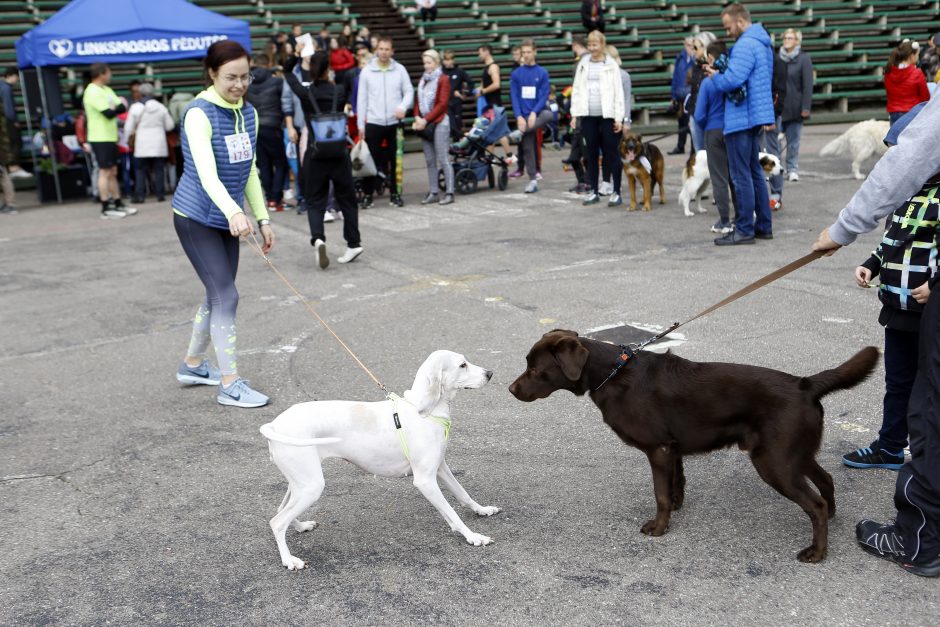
(267,430)
(843,377)
(838,146)
(689,167)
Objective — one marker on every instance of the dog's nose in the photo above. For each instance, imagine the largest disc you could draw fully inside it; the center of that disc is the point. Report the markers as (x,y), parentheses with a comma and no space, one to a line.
(489,375)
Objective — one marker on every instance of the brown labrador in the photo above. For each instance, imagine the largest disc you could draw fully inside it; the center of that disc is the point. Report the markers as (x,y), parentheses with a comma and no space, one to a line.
(668,407)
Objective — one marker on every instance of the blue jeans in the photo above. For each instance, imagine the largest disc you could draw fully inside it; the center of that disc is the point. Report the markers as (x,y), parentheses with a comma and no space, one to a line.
(900,371)
(698,134)
(793,131)
(747,177)
(770,144)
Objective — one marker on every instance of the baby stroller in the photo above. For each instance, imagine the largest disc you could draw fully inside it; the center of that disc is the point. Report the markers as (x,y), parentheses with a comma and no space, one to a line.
(474,161)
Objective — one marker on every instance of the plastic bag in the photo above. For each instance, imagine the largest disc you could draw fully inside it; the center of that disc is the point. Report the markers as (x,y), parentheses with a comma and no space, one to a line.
(362,163)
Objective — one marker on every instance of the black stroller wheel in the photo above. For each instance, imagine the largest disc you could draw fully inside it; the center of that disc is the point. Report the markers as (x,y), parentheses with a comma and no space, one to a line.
(490,177)
(503,181)
(466,182)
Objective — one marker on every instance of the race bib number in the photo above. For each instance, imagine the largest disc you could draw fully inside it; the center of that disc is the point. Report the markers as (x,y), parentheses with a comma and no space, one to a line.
(528,92)
(239,147)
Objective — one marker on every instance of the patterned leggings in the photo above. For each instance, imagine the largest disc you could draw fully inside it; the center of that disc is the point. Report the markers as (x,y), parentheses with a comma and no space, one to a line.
(214,255)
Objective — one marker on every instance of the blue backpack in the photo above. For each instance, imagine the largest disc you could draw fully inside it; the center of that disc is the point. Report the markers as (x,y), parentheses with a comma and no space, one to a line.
(327,130)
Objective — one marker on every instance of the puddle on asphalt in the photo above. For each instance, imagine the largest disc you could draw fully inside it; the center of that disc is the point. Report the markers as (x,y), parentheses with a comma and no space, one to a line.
(634,333)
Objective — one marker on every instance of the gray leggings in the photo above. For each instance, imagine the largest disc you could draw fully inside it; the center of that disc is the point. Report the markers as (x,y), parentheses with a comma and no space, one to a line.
(718,172)
(437,157)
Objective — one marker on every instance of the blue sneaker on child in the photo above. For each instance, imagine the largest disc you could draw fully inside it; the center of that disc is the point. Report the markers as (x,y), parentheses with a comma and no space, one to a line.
(238,394)
(874,457)
(203,374)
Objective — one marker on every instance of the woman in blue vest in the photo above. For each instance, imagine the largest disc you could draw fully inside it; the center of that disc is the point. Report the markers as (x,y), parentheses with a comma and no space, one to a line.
(218,134)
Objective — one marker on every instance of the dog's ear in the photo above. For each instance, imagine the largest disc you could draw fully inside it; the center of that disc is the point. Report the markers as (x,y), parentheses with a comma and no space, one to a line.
(562,331)
(570,356)
(428,386)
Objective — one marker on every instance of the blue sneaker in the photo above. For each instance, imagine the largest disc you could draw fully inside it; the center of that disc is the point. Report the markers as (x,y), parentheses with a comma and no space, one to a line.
(873,457)
(203,374)
(238,394)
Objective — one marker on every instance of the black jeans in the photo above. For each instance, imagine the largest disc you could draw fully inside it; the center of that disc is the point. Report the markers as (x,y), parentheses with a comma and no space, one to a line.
(599,135)
(384,156)
(917,493)
(272,162)
(900,371)
(455,113)
(144,166)
(318,174)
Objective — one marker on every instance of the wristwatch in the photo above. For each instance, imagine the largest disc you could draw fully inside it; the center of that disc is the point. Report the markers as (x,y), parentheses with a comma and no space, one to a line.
(264,222)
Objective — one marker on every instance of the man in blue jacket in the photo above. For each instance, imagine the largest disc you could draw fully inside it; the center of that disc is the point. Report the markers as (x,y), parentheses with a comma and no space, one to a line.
(751,67)
(528,86)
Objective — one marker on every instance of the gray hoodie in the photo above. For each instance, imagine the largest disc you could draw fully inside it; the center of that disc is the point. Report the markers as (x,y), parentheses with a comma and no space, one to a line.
(897,176)
(381,92)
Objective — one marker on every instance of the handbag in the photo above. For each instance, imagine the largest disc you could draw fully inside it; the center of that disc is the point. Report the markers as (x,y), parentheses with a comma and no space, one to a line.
(427,133)
(362,163)
(327,130)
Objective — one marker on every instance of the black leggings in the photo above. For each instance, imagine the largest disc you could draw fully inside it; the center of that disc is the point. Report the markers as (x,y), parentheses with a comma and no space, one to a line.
(599,135)
(319,173)
(214,255)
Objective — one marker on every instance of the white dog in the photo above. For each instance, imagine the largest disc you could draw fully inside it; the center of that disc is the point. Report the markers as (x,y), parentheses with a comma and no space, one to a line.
(696,179)
(369,436)
(860,141)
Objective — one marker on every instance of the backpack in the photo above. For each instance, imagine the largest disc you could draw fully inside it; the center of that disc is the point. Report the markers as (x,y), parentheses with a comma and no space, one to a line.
(327,130)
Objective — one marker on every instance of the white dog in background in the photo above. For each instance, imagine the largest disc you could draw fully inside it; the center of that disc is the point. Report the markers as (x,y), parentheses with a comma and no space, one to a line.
(696,179)
(365,434)
(860,141)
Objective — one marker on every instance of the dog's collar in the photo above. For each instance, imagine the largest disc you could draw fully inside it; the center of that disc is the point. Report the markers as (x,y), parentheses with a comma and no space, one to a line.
(395,398)
(627,353)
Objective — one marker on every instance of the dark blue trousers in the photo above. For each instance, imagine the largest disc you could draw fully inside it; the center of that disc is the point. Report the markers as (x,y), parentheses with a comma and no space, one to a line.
(750,188)
(900,372)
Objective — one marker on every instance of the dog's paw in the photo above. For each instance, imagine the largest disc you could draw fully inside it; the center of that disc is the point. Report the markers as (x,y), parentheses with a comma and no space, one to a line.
(477,539)
(488,510)
(811,555)
(702,209)
(306,525)
(632,208)
(647,208)
(294,563)
(651,528)
(688,213)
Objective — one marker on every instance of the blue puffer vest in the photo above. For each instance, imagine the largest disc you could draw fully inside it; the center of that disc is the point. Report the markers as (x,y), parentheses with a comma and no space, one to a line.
(751,64)
(190,198)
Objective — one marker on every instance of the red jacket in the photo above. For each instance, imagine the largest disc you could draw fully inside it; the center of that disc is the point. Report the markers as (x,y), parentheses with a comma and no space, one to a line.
(341,59)
(906,88)
(441,98)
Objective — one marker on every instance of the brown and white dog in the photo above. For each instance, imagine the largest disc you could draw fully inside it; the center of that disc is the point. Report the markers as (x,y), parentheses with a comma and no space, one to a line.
(669,407)
(644,162)
(696,178)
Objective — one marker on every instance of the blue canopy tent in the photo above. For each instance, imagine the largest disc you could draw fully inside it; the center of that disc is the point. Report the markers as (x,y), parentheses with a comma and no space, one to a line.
(126,31)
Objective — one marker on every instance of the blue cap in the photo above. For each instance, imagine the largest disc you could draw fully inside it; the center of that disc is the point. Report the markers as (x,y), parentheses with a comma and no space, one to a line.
(891,139)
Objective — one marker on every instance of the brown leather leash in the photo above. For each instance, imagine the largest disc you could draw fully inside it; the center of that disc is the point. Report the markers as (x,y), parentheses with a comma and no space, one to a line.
(741,293)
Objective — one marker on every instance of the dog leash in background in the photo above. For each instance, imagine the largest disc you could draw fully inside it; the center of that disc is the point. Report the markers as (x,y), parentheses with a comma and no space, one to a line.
(630,351)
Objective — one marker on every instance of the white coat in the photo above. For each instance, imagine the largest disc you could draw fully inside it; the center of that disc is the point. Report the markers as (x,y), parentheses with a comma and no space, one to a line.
(612,105)
(149,122)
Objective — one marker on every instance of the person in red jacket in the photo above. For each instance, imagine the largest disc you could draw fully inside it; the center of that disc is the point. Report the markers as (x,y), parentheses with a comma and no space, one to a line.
(904,82)
(433,125)
(341,59)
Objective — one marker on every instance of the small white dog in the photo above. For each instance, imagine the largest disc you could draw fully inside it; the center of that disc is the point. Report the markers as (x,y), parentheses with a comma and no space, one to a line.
(696,179)
(860,141)
(391,438)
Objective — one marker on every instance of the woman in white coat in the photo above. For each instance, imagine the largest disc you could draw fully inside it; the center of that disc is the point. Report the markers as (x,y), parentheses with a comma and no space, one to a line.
(148,122)
(597,108)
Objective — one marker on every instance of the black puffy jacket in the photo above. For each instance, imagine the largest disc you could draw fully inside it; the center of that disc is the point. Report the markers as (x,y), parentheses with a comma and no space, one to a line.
(264,94)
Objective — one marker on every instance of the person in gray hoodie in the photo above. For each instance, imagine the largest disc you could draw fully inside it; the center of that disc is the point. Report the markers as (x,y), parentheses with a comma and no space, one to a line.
(913,540)
(385,94)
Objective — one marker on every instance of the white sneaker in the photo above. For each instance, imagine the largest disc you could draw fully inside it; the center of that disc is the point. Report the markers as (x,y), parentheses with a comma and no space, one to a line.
(130,211)
(19,174)
(322,259)
(350,254)
(288,194)
(112,213)
(793,177)
(328,216)
(605,189)
(532,187)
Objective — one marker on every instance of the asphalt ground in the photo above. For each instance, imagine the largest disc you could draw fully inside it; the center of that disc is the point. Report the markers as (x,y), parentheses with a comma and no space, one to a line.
(127,499)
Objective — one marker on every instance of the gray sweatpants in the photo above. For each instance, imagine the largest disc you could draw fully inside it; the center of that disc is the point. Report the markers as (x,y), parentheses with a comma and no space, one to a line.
(437,157)
(528,142)
(718,172)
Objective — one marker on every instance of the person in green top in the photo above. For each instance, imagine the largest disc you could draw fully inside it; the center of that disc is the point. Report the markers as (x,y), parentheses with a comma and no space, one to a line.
(102,106)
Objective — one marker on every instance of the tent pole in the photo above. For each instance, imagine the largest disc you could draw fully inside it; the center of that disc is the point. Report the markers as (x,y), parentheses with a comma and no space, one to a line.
(50,143)
(29,126)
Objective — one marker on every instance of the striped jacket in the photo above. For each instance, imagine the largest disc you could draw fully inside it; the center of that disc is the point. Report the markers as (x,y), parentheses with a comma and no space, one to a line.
(907,255)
